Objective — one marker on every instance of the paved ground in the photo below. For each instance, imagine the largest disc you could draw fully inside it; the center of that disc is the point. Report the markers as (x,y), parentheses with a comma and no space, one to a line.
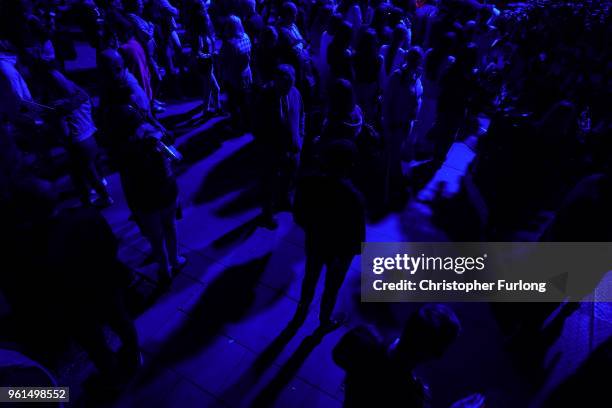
(215,339)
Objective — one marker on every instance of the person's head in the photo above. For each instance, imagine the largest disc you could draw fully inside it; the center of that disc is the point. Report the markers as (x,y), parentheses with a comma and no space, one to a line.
(338,158)
(133,6)
(400,36)
(343,35)
(448,43)
(249,7)
(284,79)
(233,27)
(111,65)
(335,21)
(269,37)
(367,46)
(427,334)
(288,13)
(414,59)
(341,97)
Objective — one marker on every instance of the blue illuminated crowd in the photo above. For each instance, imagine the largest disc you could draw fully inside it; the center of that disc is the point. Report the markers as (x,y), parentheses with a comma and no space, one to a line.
(354,107)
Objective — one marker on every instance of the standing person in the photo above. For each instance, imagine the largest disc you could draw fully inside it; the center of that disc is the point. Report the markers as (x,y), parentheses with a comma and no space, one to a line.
(327,37)
(376,370)
(72,108)
(203,51)
(331,211)
(151,190)
(279,132)
(368,65)
(394,54)
(144,162)
(340,54)
(144,33)
(81,238)
(401,104)
(266,56)
(458,85)
(344,118)
(294,51)
(235,55)
(135,59)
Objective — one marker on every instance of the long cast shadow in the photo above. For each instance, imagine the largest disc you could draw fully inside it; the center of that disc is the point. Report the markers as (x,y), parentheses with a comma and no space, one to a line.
(229,298)
(235,172)
(271,391)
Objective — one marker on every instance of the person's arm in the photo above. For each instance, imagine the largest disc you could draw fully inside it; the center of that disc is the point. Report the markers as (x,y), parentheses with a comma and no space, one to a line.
(168,8)
(75,95)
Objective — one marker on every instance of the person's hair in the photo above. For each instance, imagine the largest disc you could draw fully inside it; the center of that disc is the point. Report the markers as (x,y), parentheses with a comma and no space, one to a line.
(233,27)
(400,33)
(343,35)
(110,60)
(341,98)
(288,10)
(268,36)
(437,325)
(286,70)
(334,23)
(414,58)
(366,56)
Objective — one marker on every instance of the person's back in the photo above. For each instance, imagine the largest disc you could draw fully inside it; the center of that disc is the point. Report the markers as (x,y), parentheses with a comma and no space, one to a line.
(146,173)
(331,212)
(136,61)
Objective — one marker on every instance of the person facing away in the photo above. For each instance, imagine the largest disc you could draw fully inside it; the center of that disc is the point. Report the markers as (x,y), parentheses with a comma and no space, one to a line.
(331,211)
(72,108)
(279,132)
(380,374)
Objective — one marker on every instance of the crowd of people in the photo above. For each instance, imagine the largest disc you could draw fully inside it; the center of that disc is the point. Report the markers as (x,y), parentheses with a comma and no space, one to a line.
(352,105)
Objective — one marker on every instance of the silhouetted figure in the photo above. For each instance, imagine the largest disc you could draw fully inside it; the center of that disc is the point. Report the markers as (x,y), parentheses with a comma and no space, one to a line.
(381,374)
(331,211)
(279,133)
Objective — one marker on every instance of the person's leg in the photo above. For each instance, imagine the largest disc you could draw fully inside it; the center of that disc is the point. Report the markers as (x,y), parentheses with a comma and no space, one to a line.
(152,227)
(168,220)
(206,91)
(78,168)
(314,266)
(215,92)
(334,277)
(89,150)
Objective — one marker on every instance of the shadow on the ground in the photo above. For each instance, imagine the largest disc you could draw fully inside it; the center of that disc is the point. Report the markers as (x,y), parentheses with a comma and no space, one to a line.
(232,174)
(271,391)
(238,234)
(174,120)
(249,379)
(202,141)
(248,198)
(229,298)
